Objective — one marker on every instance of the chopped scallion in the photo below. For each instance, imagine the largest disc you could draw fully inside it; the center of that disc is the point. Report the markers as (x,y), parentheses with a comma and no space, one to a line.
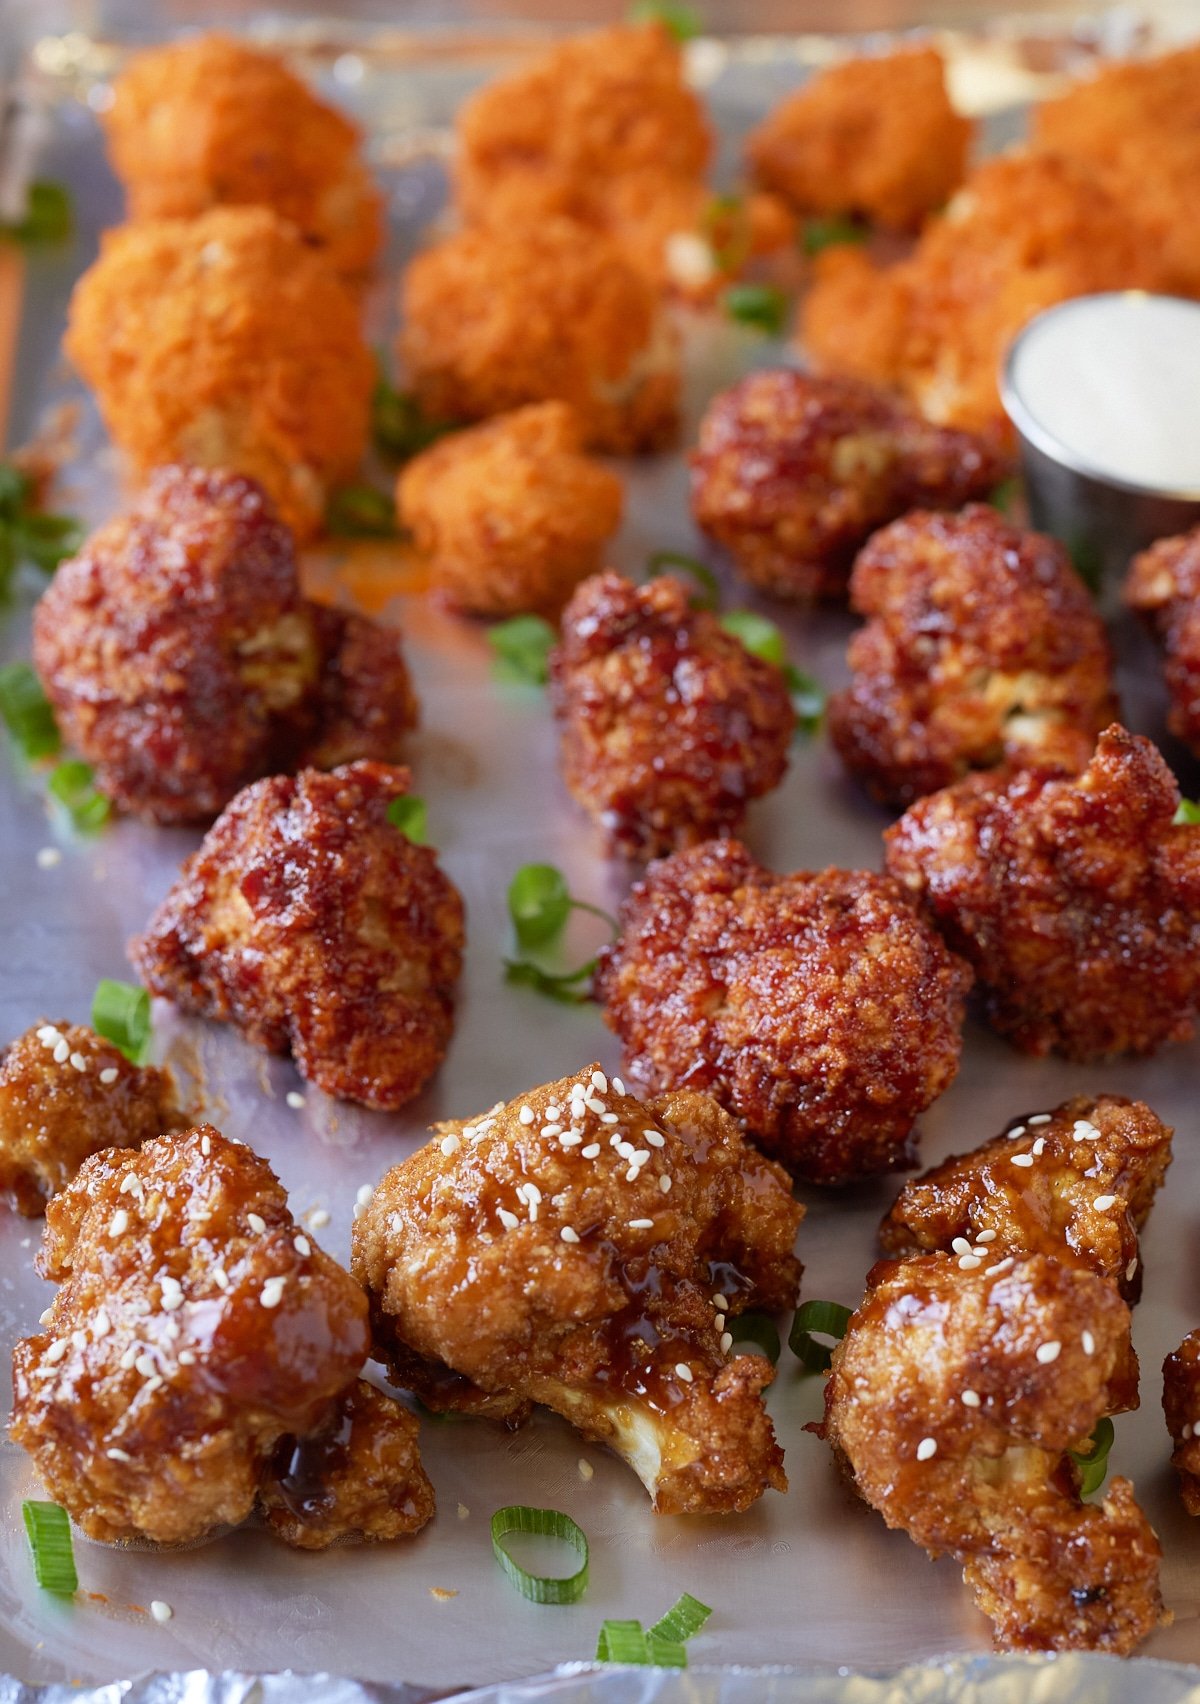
(760,637)
(1187,812)
(808,700)
(758,1329)
(360,511)
(399,425)
(27,713)
(683,23)
(685,1617)
(121,1014)
(49,1534)
(1093,1463)
(826,233)
(522,647)
(539,904)
(660,1646)
(1004,496)
(543,1523)
(410,814)
(669,561)
(48,216)
(727,227)
(825,1319)
(72,784)
(760,306)
(570,989)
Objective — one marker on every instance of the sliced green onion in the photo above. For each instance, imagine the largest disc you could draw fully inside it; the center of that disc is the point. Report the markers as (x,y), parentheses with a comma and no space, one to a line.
(539,903)
(360,511)
(48,216)
(808,700)
(826,233)
(1187,812)
(27,713)
(621,1642)
(28,534)
(1005,495)
(683,23)
(49,1534)
(686,1617)
(758,1329)
(668,561)
(522,647)
(72,783)
(399,425)
(1093,1463)
(544,1523)
(827,1319)
(759,636)
(760,306)
(565,989)
(661,1645)
(410,814)
(730,209)
(121,1014)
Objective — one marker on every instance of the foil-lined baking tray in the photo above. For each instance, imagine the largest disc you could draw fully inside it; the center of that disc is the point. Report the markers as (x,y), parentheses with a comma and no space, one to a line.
(811,1580)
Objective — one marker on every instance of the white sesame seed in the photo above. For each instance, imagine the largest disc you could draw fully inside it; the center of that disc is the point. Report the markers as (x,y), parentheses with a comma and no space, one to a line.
(171,1292)
(570,1139)
(119,1223)
(655,1138)
(532,1194)
(1102,1203)
(463,1512)
(109,1075)
(365,1192)
(118,1455)
(220,1278)
(1131,1269)
(48,857)
(719,1301)
(986,1237)
(145,1365)
(186,1358)
(302,1246)
(1039,1147)
(1022,1159)
(639,1157)
(472,1132)
(664,1183)
(624,1148)
(533,1212)
(726,1342)
(161,1611)
(79,1062)
(926,1448)
(968,1262)
(1017,1130)
(641,1224)
(79,1339)
(1000,1266)
(62,1052)
(48,1035)
(450,1145)
(1089,1343)
(610,1118)
(593,1104)
(683,1371)
(56,1351)
(554,1112)
(960,1245)
(317,1217)
(971,1399)
(526,1115)
(127,1360)
(294,1099)
(586,1470)
(45,1316)
(1040,1118)
(272,1292)
(153,1382)
(569,1235)
(1085,1130)
(101,1324)
(507,1219)
(131,1184)
(550,1130)
(631,1175)
(618,1087)
(256,1223)
(600,1082)
(591,1152)
(1047,1352)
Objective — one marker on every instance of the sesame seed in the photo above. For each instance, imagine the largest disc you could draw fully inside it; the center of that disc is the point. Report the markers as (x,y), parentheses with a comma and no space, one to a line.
(592,1151)
(683,1371)
(1102,1203)
(1048,1352)
(365,1192)
(554,1112)
(56,1351)
(533,1212)
(46,1316)
(79,1339)
(256,1223)
(655,1138)
(985,1237)
(1017,1130)
(595,1105)
(62,1052)
(526,1115)
(317,1217)
(1040,1118)
(294,1099)
(1085,1130)
(145,1365)
(118,1455)
(101,1325)
(926,1448)
(507,1219)
(1131,1269)
(79,1062)
(463,1512)
(971,1399)
(220,1278)
(618,1087)
(450,1145)
(960,1245)
(109,1075)
(609,1118)
(171,1292)
(600,1082)
(532,1194)
(664,1183)
(726,1343)
(186,1358)
(570,1139)
(127,1360)
(161,1611)
(641,1224)
(48,1035)
(719,1301)
(471,1132)
(550,1130)
(569,1235)
(586,1470)
(153,1382)
(1089,1343)
(48,857)
(1022,1159)
(1039,1147)
(272,1292)
(639,1157)
(631,1175)
(131,1184)
(968,1262)
(1000,1266)
(119,1223)
(302,1246)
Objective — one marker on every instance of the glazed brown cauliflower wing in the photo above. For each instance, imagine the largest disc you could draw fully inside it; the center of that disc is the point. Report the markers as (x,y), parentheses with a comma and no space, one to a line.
(952,1401)
(1181,1406)
(1164,587)
(582,1249)
(668,725)
(871,135)
(1075,898)
(183,662)
(1076,1183)
(227,341)
(319,929)
(495,319)
(193,1328)
(794,471)
(358,1478)
(213,121)
(510,514)
(981,645)
(66,1093)
(820,1010)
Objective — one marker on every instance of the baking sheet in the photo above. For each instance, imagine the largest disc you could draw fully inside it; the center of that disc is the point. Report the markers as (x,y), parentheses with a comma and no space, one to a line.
(811,1577)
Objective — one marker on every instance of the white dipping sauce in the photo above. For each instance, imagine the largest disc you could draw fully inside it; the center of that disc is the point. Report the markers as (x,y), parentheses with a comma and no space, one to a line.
(1114,380)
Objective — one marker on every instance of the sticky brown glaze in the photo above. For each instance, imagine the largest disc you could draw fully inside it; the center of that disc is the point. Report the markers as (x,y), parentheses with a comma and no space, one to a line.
(981,645)
(182,660)
(668,726)
(536,1255)
(357,1479)
(1075,898)
(1181,1407)
(793,472)
(66,1093)
(820,1010)
(989,1481)
(319,929)
(1076,1183)
(193,1328)
(1164,587)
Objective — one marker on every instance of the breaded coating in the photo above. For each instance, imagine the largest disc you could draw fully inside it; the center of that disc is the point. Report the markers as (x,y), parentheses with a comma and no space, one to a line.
(982,644)
(183,662)
(668,725)
(793,472)
(320,930)
(1076,1183)
(1075,898)
(820,1010)
(494,319)
(581,1249)
(1164,587)
(1181,1406)
(227,341)
(1138,122)
(1026,230)
(872,135)
(952,1401)
(66,1093)
(213,121)
(359,1478)
(510,514)
(193,1329)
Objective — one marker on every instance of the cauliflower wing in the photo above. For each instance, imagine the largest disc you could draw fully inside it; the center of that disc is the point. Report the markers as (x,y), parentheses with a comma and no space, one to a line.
(1164,587)
(1181,1407)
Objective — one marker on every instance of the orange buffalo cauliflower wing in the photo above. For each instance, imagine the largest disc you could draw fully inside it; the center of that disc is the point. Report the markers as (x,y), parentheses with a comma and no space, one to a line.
(952,1401)
(227,341)
(511,515)
(212,121)
(582,1249)
(876,136)
(1181,1407)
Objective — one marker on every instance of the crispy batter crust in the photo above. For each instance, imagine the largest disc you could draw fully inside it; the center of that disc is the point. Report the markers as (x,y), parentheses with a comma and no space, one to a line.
(981,644)
(1164,587)
(506,1266)
(1108,1150)
(510,514)
(872,135)
(183,662)
(55,1112)
(1181,1407)
(1075,898)
(818,1009)
(227,341)
(550,312)
(359,1478)
(191,1380)
(793,472)
(319,929)
(213,121)
(997,1490)
(668,726)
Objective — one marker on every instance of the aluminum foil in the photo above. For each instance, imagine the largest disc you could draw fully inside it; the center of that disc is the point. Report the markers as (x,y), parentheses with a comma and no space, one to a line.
(812,1580)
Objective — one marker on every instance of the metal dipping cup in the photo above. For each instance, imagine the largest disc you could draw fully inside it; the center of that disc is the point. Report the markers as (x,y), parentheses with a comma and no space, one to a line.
(1103,519)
